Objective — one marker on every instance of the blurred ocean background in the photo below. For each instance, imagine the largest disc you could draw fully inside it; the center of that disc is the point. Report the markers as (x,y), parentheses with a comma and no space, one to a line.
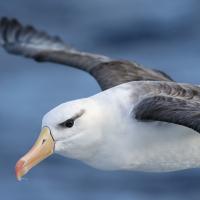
(158,34)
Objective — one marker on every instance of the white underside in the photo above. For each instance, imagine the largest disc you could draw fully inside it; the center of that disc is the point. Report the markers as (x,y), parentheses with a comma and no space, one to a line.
(157,147)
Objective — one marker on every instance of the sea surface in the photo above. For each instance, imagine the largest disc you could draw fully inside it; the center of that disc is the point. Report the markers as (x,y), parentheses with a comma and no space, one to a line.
(164,35)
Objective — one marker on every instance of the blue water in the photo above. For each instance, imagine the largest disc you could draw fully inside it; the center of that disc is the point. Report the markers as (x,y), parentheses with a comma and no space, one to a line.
(158,34)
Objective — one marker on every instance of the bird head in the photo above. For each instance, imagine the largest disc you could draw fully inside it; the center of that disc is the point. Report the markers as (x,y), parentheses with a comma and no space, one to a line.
(71,129)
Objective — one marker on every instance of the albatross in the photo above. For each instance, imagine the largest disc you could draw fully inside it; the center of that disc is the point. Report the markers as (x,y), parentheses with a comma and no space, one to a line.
(141,120)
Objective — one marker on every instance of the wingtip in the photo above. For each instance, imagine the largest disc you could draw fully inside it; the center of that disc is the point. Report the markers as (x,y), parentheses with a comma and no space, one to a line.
(5,21)
(26,40)
(8,27)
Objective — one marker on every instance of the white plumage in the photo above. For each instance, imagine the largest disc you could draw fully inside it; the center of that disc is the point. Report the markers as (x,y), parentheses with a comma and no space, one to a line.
(107,136)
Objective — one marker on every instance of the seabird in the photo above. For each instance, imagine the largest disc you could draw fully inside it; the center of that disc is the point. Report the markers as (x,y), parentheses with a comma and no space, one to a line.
(142,119)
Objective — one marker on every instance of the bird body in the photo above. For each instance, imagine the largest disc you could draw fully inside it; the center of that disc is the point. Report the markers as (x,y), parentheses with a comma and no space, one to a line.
(142,145)
(120,142)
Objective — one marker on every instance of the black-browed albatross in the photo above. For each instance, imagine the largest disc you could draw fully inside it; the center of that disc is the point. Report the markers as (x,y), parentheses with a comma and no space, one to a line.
(142,120)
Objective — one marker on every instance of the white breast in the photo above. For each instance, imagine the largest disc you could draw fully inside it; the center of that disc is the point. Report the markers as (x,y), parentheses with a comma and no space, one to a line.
(152,146)
(160,146)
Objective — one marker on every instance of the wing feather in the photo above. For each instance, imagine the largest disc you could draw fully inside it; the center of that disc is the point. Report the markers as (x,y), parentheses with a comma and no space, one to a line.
(29,42)
(172,103)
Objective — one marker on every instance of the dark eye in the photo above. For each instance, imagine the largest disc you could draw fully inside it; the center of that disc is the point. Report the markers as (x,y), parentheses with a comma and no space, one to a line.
(69,123)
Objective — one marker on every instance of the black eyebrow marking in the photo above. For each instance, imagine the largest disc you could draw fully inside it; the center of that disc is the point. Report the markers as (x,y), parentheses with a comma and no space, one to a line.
(76,116)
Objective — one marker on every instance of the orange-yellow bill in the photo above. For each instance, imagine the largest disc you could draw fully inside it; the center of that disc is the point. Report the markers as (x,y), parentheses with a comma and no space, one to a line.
(43,148)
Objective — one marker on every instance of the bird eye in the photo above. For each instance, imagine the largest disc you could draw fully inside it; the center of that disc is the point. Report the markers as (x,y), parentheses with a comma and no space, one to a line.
(69,123)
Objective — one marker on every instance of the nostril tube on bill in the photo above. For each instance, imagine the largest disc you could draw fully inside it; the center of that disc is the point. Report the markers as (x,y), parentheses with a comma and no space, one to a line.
(43,141)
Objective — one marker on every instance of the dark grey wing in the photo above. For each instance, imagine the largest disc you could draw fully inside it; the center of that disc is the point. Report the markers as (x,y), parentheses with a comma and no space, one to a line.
(29,42)
(169,109)
(110,74)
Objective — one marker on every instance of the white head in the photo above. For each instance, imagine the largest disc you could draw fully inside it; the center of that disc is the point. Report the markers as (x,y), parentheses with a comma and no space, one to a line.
(73,129)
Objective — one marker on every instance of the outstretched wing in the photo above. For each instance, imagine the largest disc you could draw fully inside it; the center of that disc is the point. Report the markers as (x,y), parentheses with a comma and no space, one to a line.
(175,104)
(29,42)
